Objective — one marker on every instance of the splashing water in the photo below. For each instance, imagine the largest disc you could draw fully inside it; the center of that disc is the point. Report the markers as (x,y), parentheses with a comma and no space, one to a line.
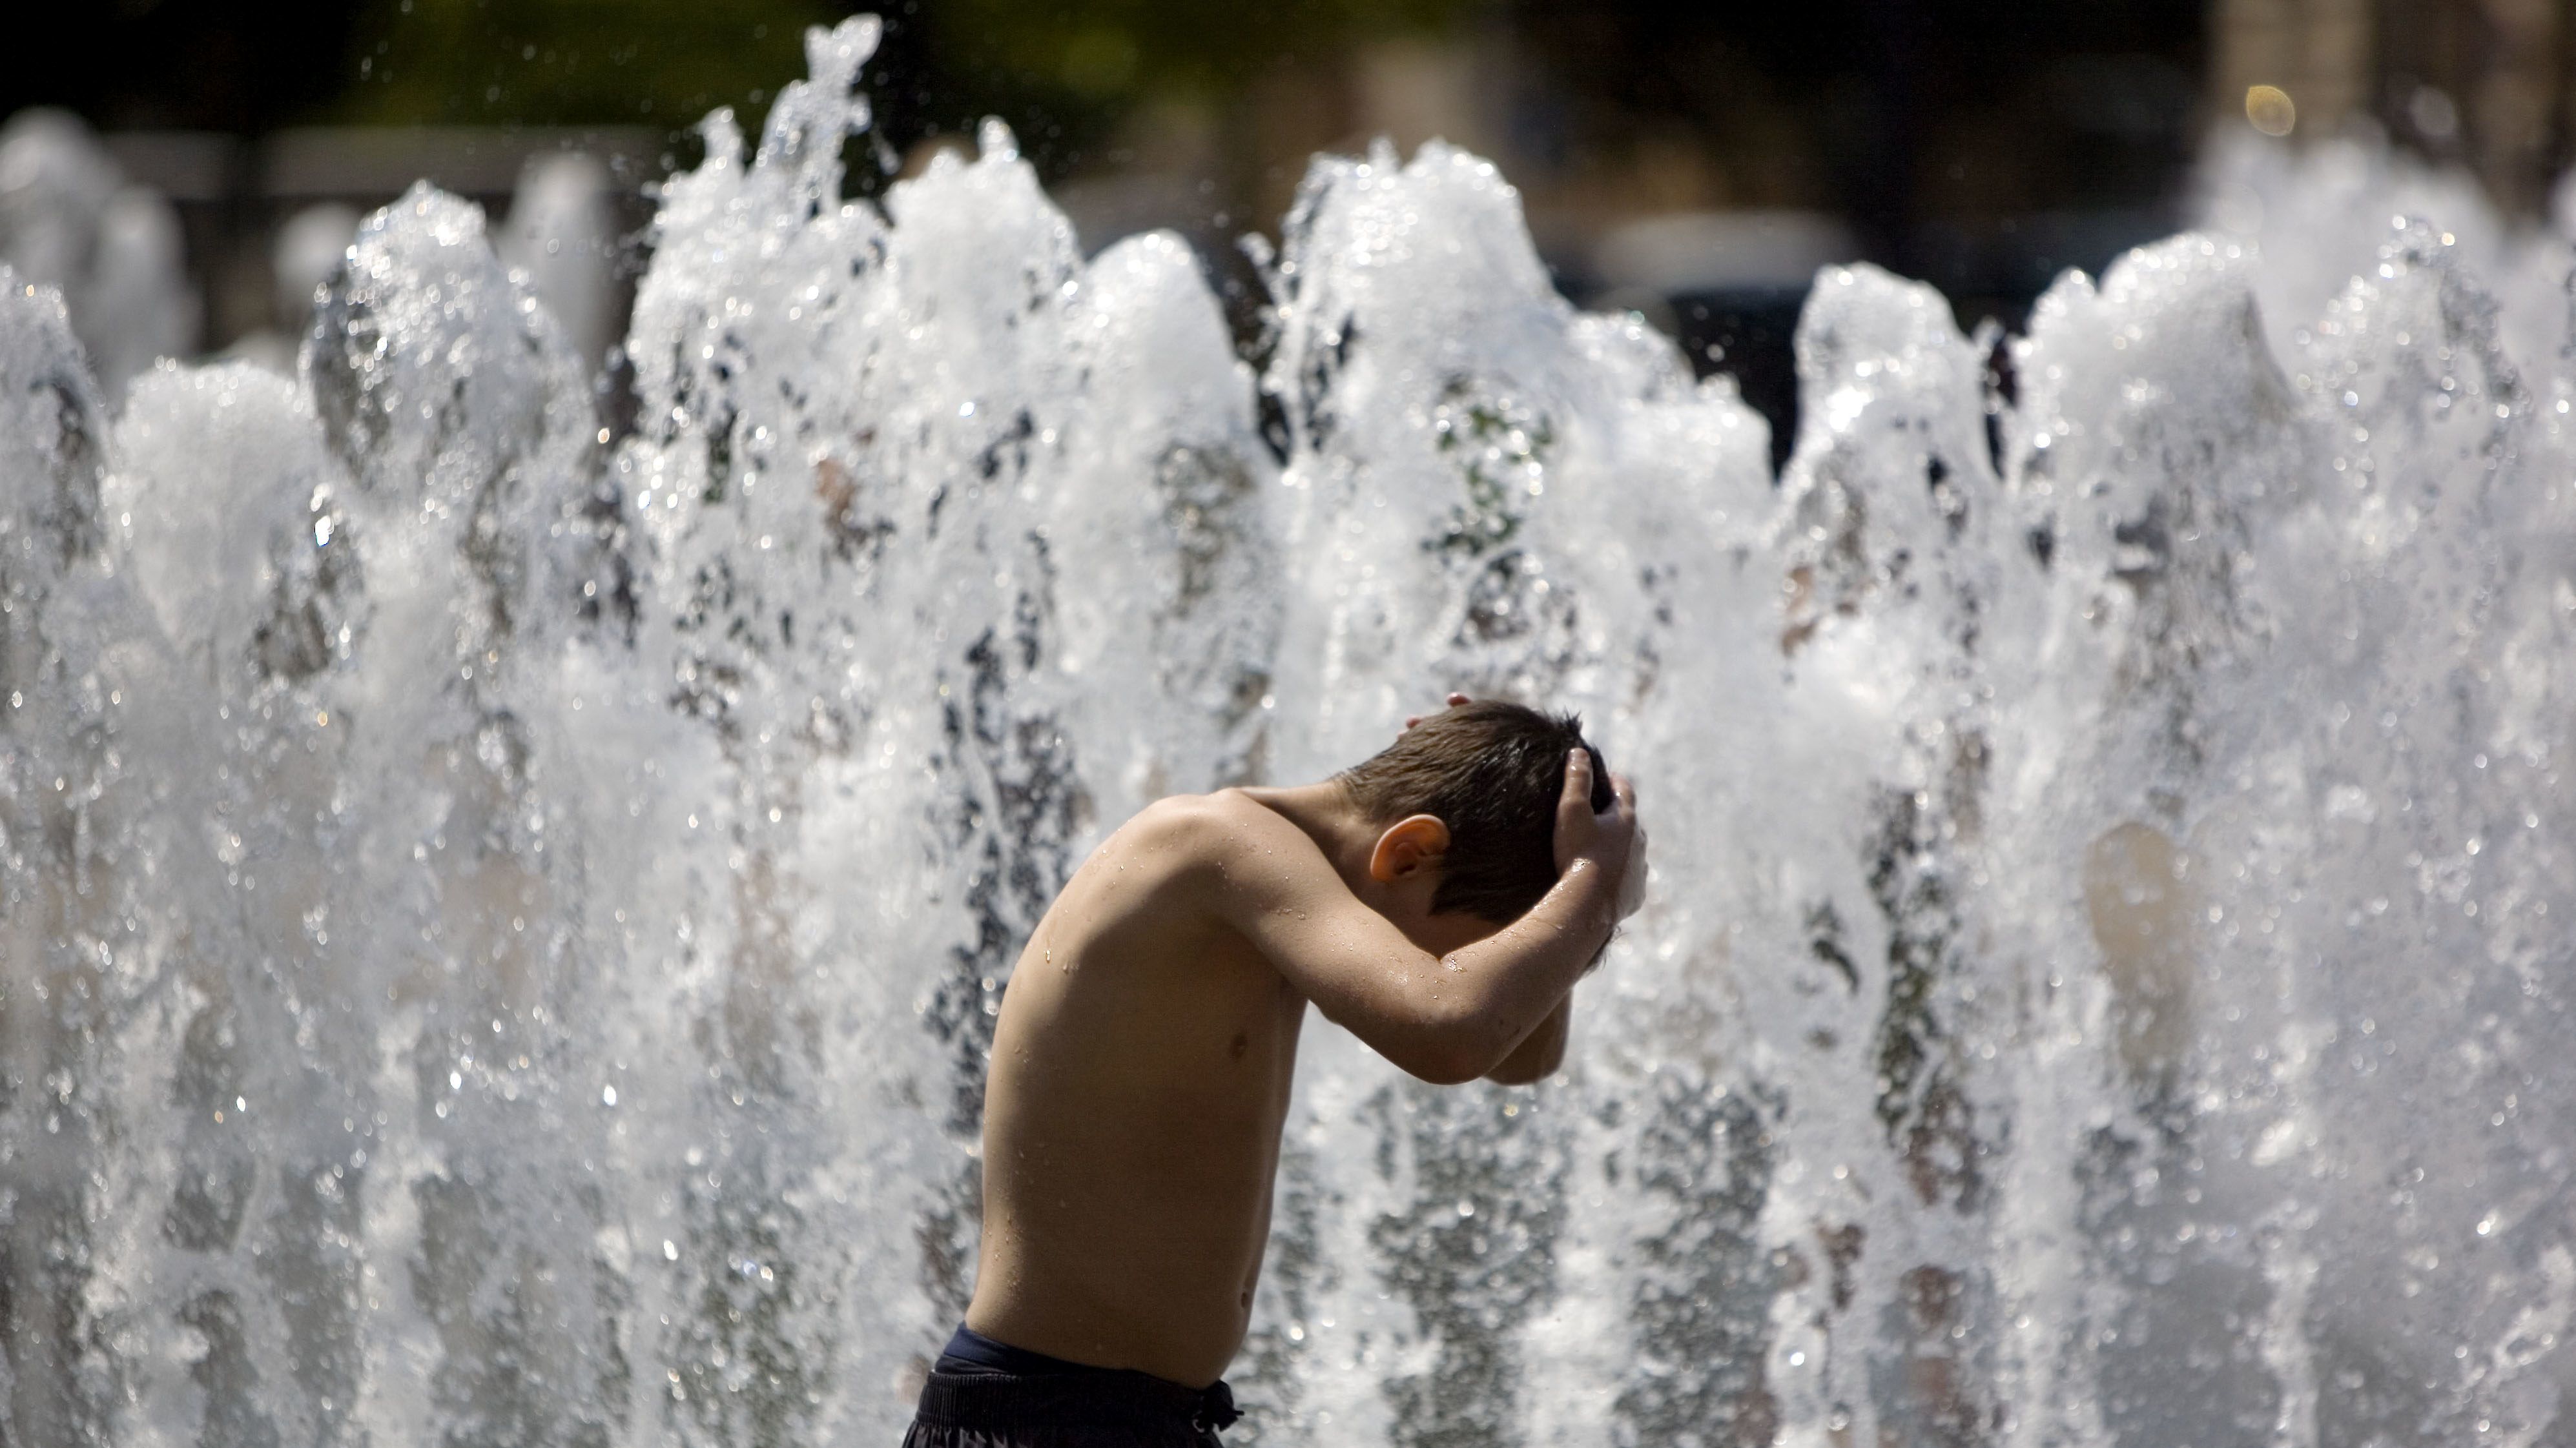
(113,251)
(501,930)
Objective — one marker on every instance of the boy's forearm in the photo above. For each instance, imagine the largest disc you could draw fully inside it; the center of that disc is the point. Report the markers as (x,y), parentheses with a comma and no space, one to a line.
(1541,1052)
(1522,973)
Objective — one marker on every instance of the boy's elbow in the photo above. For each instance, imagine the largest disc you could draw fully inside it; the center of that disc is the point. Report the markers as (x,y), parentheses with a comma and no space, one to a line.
(1453,1053)
(1445,1068)
(1523,1068)
(1537,1055)
(1446,1055)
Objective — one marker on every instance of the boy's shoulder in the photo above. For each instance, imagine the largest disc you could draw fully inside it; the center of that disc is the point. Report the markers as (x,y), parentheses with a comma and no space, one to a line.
(1212,825)
(1224,838)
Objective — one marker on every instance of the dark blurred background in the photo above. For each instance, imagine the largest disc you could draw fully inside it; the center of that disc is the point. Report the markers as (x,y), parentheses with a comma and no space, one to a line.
(1693,161)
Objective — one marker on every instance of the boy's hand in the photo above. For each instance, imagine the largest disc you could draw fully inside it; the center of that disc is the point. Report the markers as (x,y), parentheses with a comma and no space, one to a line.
(1454,701)
(1631,870)
(1608,839)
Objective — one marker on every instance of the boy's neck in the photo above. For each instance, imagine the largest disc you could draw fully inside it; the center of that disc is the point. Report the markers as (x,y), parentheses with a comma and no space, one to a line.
(1326,812)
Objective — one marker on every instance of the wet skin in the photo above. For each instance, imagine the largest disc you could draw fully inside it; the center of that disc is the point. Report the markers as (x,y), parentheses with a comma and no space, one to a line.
(1142,1062)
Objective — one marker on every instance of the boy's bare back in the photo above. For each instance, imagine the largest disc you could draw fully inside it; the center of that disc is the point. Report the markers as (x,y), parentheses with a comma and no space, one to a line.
(1143,1060)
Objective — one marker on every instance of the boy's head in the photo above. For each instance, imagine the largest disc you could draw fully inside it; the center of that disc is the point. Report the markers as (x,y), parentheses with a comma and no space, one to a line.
(1491,772)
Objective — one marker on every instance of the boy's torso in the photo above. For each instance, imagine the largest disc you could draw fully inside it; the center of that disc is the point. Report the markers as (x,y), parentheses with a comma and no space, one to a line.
(1141,1071)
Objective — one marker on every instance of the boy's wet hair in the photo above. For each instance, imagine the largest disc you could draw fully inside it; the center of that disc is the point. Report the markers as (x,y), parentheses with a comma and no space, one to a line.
(1492,773)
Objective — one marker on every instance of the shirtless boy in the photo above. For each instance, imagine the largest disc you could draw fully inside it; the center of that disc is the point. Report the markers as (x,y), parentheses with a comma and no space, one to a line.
(1439,901)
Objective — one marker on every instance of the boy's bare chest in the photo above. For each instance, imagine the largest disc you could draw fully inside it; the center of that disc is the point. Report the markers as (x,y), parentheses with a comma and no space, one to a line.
(1134,1007)
(1139,1083)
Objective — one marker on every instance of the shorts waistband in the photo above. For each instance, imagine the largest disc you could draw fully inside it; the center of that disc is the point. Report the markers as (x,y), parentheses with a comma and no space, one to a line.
(969,1351)
(997,1387)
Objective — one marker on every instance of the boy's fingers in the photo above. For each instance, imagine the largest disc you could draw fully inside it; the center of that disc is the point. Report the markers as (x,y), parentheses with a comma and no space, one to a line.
(1454,701)
(1578,779)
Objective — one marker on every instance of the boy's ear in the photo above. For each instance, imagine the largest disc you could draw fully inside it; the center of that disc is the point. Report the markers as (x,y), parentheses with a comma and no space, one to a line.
(1409,846)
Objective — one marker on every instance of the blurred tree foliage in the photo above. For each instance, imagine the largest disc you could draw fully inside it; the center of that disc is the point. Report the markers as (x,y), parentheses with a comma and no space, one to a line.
(571,62)
(1121,49)
(219,65)
(1061,74)
(1888,112)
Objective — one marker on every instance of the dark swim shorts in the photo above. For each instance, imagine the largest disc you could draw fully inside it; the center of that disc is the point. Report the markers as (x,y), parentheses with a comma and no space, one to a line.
(987,1394)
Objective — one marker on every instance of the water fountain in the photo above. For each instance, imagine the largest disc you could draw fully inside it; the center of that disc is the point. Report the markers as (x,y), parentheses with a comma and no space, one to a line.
(501,919)
(71,222)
